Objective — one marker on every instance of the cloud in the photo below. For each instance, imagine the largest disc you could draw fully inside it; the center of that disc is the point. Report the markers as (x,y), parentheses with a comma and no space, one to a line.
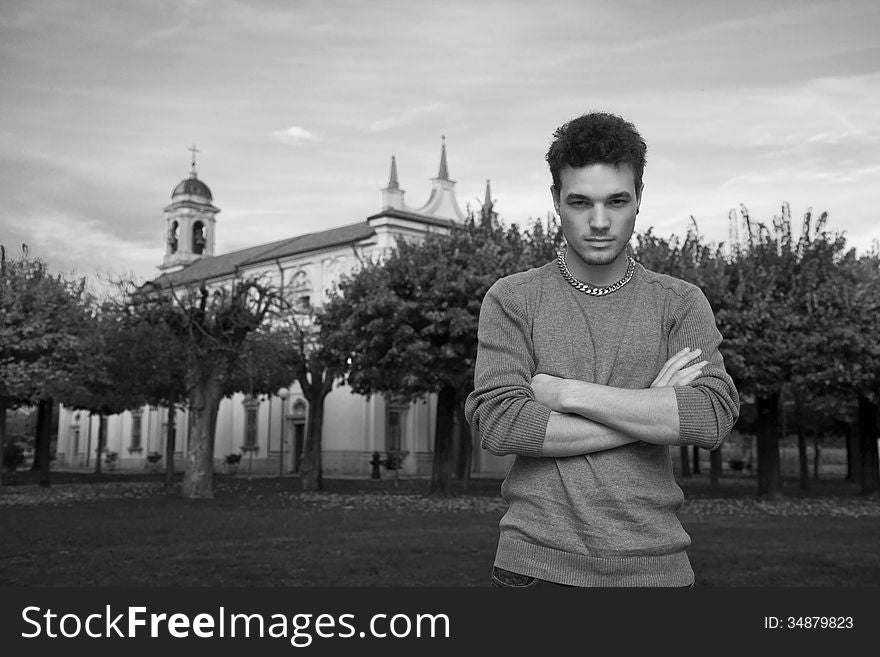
(294,136)
(162,35)
(406,117)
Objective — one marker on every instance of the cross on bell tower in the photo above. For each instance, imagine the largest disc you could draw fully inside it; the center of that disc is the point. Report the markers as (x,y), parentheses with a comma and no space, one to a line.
(192,171)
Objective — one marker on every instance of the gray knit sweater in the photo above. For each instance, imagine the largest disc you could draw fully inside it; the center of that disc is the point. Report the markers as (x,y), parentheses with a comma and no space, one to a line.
(607,518)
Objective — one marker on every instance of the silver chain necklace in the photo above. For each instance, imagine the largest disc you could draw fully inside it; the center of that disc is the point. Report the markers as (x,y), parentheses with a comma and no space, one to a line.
(589,289)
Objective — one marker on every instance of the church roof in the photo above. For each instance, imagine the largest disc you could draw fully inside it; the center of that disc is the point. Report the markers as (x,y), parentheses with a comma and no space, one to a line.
(321,240)
(414,216)
(227,264)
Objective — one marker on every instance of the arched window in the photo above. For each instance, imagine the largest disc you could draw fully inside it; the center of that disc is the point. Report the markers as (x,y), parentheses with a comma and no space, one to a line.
(173,237)
(395,431)
(298,291)
(251,417)
(395,416)
(135,445)
(199,239)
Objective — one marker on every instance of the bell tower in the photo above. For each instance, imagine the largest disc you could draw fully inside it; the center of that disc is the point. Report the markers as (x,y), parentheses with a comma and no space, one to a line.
(189,222)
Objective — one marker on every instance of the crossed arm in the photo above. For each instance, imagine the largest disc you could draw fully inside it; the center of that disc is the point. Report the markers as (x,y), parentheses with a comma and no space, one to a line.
(516,412)
(589,417)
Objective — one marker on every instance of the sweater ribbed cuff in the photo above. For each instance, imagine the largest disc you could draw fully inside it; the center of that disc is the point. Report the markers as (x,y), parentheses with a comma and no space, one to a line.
(533,424)
(696,418)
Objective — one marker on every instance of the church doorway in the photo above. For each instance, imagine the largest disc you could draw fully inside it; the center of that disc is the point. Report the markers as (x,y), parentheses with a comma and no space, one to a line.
(298,419)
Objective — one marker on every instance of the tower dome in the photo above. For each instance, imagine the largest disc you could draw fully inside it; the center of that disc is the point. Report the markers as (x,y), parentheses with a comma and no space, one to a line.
(192,186)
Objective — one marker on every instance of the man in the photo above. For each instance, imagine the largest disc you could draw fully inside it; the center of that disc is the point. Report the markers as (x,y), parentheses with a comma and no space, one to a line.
(586,372)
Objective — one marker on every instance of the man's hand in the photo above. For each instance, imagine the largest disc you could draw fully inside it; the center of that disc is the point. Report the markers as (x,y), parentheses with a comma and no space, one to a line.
(674,372)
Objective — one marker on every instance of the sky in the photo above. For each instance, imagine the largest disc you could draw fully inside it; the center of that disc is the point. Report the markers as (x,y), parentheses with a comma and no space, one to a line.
(297,107)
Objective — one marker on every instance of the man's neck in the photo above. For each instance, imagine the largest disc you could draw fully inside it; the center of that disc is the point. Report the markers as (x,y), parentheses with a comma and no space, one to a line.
(596,275)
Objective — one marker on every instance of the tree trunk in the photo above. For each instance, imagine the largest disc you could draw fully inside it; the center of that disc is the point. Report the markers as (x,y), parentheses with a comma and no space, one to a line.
(817,454)
(803,459)
(767,425)
(467,447)
(42,449)
(311,467)
(4,404)
(869,473)
(853,455)
(102,442)
(684,457)
(38,440)
(783,419)
(443,428)
(198,479)
(457,456)
(696,460)
(716,459)
(169,446)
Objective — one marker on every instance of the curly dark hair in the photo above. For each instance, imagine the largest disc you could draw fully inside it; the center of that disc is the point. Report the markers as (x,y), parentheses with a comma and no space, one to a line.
(597,138)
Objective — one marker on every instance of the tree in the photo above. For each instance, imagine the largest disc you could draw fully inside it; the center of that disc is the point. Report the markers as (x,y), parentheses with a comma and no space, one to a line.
(265,364)
(816,325)
(783,319)
(407,327)
(43,319)
(290,346)
(107,380)
(760,327)
(212,326)
(856,350)
(316,367)
(151,355)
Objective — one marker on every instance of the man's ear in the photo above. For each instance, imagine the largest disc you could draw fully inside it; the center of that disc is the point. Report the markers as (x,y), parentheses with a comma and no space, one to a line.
(555,194)
(639,198)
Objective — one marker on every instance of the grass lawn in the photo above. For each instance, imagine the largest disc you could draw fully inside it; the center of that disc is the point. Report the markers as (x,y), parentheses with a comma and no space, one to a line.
(263,532)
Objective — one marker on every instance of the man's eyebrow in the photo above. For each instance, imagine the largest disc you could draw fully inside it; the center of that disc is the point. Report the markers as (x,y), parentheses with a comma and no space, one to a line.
(573,196)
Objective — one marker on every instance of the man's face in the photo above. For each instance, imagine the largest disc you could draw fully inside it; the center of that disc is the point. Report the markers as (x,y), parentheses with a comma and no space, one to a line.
(597,204)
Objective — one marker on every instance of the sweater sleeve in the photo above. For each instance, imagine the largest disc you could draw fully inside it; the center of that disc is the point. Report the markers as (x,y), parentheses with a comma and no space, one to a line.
(709,406)
(502,408)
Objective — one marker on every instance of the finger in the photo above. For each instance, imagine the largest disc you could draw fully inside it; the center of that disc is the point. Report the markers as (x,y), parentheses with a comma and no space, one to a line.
(674,365)
(681,360)
(686,380)
(677,360)
(696,367)
(688,374)
(679,363)
(665,370)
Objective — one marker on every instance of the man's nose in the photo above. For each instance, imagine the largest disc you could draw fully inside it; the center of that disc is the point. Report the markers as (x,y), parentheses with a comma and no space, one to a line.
(599,218)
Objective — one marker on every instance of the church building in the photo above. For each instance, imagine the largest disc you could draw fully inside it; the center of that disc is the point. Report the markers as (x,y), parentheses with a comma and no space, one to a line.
(269,432)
